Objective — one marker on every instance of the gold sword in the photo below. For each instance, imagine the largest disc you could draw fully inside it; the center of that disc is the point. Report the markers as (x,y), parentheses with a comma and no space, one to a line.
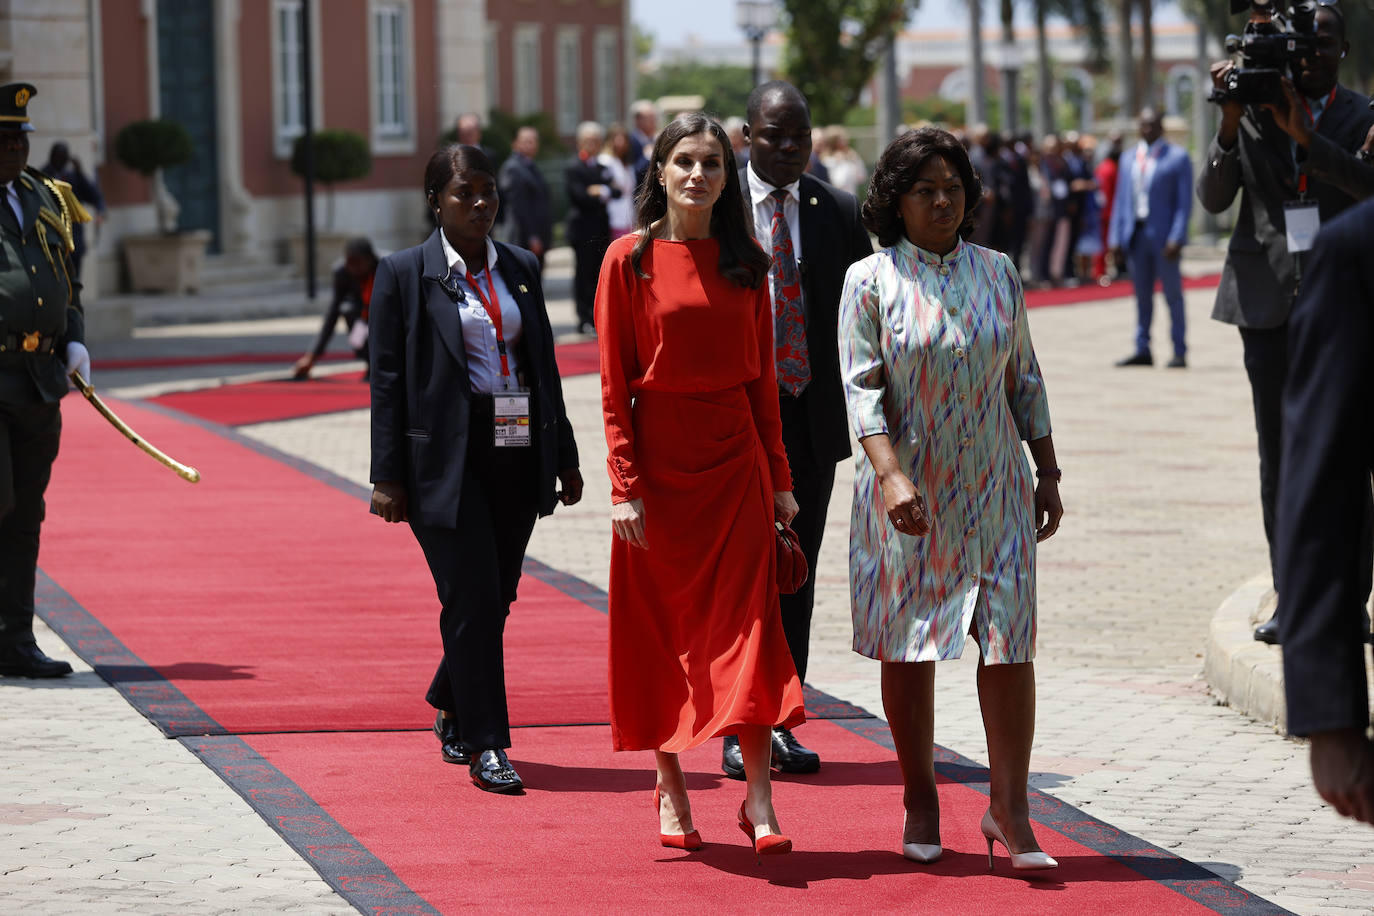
(185,472)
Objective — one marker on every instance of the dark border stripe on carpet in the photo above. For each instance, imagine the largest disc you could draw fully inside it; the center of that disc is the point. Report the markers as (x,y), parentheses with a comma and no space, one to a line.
(146,689)
(1180,875)
(348,866)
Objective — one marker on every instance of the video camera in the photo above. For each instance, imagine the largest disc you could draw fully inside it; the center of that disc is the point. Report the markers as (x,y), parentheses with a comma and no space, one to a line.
(1269,47)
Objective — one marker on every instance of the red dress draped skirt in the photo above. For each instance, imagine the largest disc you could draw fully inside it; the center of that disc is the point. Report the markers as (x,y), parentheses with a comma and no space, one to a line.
(697,647)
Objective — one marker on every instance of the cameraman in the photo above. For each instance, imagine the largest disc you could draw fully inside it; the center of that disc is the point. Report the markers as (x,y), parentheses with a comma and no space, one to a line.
(1284,185)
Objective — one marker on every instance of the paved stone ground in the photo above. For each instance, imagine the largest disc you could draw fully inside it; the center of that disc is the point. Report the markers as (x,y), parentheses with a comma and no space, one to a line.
(1162,524)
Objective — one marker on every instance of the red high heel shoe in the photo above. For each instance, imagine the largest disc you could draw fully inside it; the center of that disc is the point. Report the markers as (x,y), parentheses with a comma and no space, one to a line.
(688,841)
(774,844)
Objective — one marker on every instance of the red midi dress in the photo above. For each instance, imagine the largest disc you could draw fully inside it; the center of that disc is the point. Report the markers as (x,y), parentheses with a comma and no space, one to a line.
(690,403)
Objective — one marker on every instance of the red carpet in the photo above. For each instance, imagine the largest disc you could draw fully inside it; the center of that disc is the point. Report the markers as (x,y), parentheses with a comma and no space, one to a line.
(286,399)
(270,599)
(584,837)
(262,402)
(1091,292)
(266,603)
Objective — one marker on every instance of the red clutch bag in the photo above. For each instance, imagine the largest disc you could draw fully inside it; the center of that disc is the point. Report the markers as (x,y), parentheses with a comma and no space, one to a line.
(791,561)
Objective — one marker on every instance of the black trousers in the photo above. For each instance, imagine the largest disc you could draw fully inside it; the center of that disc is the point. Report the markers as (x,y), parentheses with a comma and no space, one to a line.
(476,568)
(1266,363)
(587,258)
(29,436)
(812,482)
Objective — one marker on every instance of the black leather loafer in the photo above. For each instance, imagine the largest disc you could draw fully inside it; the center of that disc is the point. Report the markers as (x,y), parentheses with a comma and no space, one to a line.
(1143,358)
(1268,632)
(27,660)
(731,760)
(449,747)
(790,757)
(492,772)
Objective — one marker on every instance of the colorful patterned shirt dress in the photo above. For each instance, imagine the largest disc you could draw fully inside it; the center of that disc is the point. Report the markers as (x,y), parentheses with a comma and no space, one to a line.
(936,353)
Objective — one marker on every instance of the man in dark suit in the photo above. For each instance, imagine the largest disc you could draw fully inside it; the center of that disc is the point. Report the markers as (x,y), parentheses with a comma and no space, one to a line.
(41,334)
(525,196)
(589,188)
(1280,182)
(814,230)
(1323,511)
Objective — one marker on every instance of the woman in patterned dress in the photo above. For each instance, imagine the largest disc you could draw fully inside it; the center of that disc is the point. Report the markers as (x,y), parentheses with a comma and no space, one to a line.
(942,385)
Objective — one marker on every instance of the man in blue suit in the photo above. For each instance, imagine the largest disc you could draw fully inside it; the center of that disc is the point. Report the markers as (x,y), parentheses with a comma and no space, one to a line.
(1154,198)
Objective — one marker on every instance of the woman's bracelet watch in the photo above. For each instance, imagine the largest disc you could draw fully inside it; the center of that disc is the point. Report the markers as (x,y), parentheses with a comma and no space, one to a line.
(1055,473)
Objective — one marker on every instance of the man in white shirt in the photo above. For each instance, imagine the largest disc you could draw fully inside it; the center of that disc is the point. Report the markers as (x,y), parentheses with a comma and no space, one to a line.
(813,232)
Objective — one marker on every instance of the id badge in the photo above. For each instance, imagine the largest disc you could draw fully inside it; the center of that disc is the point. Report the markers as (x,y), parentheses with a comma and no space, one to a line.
(1302,221)
(511,418)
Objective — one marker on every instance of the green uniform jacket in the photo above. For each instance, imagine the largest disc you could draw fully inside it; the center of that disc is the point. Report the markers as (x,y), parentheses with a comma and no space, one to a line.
(38,293)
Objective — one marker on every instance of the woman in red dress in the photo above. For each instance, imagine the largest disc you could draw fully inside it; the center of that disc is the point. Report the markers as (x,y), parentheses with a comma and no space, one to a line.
(698,474)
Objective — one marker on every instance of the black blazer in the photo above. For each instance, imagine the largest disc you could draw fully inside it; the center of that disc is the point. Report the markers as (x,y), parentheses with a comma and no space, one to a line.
(832,238)
(420,390)
(525,202)
(587,217)
(1328,454)
(1259,281)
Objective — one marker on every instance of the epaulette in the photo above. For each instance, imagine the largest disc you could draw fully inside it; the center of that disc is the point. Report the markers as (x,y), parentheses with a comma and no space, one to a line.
(70,210)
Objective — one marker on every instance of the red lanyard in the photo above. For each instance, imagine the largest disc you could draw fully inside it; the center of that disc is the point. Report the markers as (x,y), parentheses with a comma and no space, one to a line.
(1316,120)
(493,307)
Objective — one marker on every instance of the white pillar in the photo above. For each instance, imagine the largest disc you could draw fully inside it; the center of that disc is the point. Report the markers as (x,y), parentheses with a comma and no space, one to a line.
(461,59)
(236,205)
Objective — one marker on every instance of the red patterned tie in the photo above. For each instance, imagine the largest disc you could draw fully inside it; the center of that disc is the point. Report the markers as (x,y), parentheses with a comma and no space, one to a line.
(789,323)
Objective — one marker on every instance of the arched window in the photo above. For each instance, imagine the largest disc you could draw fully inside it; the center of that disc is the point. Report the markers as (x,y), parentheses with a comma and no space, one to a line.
(1178,90)
(1076,97)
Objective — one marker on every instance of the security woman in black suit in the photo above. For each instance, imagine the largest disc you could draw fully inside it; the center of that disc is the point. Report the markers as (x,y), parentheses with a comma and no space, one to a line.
(469,433)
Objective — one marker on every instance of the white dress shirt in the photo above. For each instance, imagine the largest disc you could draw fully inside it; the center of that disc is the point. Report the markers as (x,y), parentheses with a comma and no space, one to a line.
(479,333)
(760,193)
(12,197)
(1146,158)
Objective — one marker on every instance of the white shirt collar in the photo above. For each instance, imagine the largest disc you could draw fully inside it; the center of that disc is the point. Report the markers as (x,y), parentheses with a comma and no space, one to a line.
(759,189)
(456,265)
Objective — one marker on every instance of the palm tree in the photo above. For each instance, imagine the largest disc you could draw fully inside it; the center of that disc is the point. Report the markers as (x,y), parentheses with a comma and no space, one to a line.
(1085,14)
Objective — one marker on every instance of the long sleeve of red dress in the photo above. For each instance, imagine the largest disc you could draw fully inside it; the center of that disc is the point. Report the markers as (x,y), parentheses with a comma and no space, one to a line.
(650,338)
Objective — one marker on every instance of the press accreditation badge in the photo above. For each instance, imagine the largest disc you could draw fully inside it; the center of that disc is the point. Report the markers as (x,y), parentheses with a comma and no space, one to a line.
(511,418)
(1302,221)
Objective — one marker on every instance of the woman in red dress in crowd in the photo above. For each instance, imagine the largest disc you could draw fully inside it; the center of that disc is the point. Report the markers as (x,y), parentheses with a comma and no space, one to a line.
(698,474)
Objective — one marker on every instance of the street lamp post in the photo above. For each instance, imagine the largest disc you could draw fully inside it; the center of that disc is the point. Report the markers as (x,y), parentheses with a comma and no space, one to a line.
(756,18)
(1009,62)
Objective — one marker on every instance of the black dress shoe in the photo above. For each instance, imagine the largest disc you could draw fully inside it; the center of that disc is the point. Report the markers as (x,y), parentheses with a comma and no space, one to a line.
(492,772)
(731,760)
(1268,632)
(790,757)
(1178,362)
(449,747)
(27,660)
(1143,358)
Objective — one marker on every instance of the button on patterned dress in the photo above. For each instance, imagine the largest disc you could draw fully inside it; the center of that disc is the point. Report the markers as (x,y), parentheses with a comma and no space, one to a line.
(936,353)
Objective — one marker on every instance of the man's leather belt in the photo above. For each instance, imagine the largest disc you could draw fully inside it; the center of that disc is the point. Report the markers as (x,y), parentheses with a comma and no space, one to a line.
(33,342)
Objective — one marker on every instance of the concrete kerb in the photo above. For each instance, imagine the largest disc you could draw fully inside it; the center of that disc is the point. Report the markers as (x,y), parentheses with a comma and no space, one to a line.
(1245,674)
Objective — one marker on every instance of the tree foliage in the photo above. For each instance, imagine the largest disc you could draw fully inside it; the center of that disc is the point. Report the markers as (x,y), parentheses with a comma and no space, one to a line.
(146,146)
(725,88)
(834,46)
(337,155)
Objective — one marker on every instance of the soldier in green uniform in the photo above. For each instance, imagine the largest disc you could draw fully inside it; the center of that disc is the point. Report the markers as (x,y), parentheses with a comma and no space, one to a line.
(41,334)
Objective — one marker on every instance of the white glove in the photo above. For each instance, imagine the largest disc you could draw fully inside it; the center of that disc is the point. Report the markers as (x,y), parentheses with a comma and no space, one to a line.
(79,360)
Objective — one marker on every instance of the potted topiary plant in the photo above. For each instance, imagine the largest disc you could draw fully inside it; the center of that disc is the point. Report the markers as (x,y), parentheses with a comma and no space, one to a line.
(168,261)
(339,155)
